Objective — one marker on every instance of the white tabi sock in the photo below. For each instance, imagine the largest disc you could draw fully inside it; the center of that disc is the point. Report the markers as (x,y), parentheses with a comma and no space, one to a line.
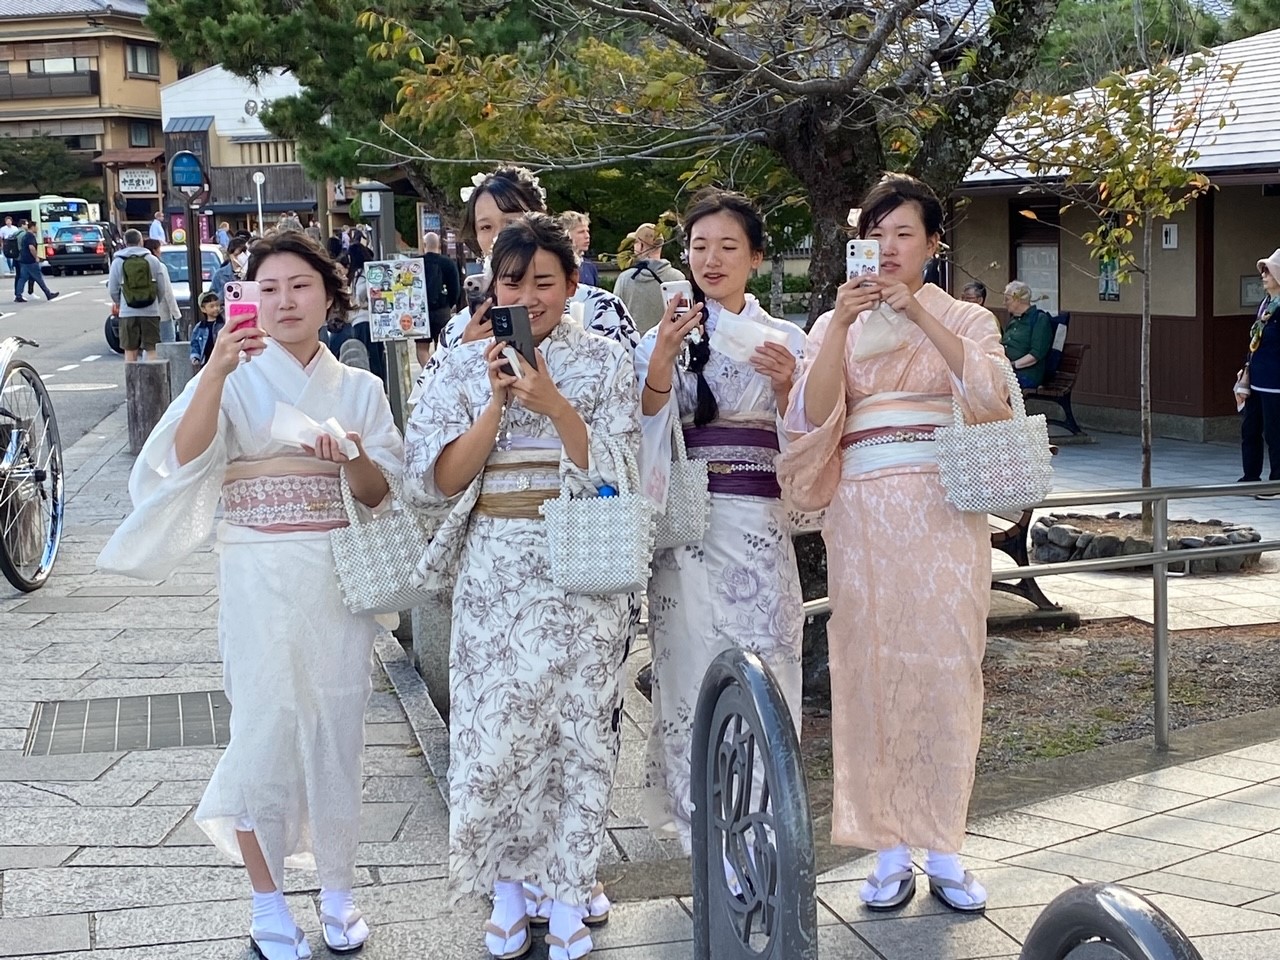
(947,866)
(271,915)
(508,910)
(888,862)
(566,923)
(340,905)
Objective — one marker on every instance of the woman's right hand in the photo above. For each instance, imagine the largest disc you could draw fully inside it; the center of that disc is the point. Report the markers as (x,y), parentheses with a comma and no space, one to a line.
(479,326)
(852,298)
(499,379)
(675,325)
(226,351)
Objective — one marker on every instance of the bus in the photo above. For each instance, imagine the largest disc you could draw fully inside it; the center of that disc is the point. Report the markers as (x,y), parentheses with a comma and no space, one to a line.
(46,212)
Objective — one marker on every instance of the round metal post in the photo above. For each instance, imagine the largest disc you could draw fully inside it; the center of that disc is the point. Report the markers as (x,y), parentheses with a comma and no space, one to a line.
(1160,621)
(754,877)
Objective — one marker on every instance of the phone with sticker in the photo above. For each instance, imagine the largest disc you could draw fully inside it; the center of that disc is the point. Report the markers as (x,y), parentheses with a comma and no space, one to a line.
(243,299)
(861,258)
(474,287)
(673,289)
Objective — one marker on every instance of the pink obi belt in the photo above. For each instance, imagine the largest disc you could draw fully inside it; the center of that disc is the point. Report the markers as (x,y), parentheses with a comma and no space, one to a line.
(283,495)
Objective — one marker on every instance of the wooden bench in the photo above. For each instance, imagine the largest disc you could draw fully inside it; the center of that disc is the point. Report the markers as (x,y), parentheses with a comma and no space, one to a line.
(1059,383)
(1012,540)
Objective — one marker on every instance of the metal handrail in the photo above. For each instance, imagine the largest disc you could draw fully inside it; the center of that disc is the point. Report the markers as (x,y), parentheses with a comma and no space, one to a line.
(1158,559)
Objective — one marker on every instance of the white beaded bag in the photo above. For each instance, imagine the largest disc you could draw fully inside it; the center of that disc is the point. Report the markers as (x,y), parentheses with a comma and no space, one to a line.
(998,466)
(377,559)
(688,498)
(602,545)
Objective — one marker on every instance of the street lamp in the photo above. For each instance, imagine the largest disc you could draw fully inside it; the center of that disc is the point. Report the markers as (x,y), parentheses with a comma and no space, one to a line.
(259,178)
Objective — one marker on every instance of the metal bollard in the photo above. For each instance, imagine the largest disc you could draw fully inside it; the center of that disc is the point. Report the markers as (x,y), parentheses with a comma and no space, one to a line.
(751,819)
(1104,921)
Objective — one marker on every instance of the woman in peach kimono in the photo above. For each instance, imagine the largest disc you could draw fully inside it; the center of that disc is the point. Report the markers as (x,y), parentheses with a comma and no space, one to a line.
(910,575)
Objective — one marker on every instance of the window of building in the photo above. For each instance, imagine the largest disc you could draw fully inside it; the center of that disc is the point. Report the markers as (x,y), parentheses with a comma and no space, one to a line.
(83,142)
(60,65)
(139,134)
(144,60)
(4,66)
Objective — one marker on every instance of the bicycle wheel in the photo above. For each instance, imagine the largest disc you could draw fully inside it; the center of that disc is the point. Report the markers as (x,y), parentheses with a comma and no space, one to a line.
(31,481)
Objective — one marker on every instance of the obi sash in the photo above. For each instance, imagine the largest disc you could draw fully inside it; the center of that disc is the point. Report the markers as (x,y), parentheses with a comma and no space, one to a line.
(893,430)
(740,456)
(517,482)
(283,495)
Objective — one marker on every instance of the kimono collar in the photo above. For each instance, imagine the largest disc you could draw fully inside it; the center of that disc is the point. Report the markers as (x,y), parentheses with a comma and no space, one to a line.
(562,330)
(752,311)
(312,389)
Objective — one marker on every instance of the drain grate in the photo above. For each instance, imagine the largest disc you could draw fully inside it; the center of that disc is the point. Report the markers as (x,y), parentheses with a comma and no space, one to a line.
(130,723)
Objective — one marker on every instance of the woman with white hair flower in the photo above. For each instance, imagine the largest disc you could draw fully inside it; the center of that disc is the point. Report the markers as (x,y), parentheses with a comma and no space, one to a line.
(1027,336)
(1260,379)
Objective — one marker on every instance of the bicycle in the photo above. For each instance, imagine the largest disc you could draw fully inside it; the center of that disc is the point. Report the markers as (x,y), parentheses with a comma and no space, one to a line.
(31,477)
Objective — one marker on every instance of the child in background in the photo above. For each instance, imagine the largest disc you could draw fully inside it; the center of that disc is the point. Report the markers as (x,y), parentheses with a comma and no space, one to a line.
(209,323)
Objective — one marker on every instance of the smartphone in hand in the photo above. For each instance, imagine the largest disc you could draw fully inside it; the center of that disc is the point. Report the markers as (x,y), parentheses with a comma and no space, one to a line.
(673,289)
(511,325)
(242,298)
(861,257)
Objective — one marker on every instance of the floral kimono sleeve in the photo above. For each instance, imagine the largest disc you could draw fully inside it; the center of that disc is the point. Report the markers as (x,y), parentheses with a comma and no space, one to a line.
(982,390)
(444,413)
(614,414)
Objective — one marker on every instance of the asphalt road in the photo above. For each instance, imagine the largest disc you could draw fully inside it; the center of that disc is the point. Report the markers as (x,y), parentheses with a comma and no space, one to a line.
(85,379)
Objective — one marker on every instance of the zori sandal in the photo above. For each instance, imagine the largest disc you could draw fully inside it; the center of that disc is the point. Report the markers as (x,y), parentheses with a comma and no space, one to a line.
(906,891)
(353,932)
(598,907)
(301,951)
(940,887)
(521,926)
(537,905)
(571,949)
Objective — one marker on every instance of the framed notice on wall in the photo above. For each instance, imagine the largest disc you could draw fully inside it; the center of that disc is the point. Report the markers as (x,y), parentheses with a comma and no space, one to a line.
(1251,290)
(397,299)
(138,180)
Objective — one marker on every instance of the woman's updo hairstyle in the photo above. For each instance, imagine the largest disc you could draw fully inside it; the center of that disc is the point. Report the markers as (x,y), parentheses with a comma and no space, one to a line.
(514,190)
(893,190)
(705,203)
(516,245)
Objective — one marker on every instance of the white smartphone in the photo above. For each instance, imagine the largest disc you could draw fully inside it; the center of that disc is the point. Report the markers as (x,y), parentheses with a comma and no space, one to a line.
(861,257)
(677,288)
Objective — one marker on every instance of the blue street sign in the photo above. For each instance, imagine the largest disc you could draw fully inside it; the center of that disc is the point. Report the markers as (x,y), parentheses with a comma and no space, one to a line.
(186,170)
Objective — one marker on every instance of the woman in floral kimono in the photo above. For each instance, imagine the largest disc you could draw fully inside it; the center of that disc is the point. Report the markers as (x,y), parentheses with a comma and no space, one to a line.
(738,586)
(535,673)
(287,789)
(908,626)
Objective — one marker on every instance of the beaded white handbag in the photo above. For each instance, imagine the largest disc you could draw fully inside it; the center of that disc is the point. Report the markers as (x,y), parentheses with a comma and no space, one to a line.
(377,560)
(688,498)
(602,545)
(998,466)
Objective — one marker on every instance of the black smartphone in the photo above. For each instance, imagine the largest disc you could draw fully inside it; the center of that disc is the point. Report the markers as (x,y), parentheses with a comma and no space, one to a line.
(474,286)
(511,324)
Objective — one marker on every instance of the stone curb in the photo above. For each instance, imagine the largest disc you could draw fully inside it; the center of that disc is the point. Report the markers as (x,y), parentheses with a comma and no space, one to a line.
(428,727)
(84,458)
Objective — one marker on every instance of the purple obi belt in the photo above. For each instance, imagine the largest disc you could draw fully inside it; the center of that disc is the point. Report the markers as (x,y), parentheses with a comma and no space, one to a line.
(739,458)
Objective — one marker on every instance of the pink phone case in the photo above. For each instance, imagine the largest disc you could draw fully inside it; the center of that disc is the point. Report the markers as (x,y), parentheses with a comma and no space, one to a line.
(242,304)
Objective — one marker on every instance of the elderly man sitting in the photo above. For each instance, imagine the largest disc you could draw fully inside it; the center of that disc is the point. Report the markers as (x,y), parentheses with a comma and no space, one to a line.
(1028,335)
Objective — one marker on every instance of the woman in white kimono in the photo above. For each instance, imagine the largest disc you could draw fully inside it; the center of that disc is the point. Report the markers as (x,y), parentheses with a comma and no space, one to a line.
(535,673)
(297,671)
(739,585)
(908,626)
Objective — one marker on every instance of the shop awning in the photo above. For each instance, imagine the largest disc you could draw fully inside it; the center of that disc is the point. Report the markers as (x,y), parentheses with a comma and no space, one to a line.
(134,155)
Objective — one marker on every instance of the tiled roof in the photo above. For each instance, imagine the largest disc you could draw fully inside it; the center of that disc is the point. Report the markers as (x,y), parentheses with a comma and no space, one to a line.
(28,9)
(1249,139)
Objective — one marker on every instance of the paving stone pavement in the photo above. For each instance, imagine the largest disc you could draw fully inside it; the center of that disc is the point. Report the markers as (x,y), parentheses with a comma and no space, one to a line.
(99,859)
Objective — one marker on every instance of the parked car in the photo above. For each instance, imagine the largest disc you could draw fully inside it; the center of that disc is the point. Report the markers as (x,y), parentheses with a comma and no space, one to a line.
(174,256)
(77,247)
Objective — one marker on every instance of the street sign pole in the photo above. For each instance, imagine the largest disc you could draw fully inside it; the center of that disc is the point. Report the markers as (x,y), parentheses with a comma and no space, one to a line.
(259,178)
(187,176)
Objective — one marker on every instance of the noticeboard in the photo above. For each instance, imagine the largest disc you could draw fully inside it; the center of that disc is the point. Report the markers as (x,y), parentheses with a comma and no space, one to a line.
(397,300)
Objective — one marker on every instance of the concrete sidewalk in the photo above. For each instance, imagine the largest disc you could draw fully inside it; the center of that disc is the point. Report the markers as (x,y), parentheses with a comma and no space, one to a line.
(99,859)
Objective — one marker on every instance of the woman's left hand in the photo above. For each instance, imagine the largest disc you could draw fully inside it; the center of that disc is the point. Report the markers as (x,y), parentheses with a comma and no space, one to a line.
(536,391)
(776,362)
(897,295)
(326,448)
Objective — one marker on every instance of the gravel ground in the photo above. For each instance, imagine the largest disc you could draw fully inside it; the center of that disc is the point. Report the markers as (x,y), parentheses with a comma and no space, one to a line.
(1049,694)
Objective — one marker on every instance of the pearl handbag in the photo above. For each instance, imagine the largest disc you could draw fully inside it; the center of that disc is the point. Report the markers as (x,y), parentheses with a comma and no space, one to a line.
(999,466)
(602,545)
(377,559)
(688,499)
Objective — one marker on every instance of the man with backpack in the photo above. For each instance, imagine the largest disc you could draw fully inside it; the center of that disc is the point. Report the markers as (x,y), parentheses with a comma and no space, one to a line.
(29,265)
(138,287)
(640,285)
(9,235)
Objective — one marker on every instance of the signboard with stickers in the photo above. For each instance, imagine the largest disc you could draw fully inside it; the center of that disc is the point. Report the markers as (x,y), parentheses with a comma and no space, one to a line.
(397,300)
